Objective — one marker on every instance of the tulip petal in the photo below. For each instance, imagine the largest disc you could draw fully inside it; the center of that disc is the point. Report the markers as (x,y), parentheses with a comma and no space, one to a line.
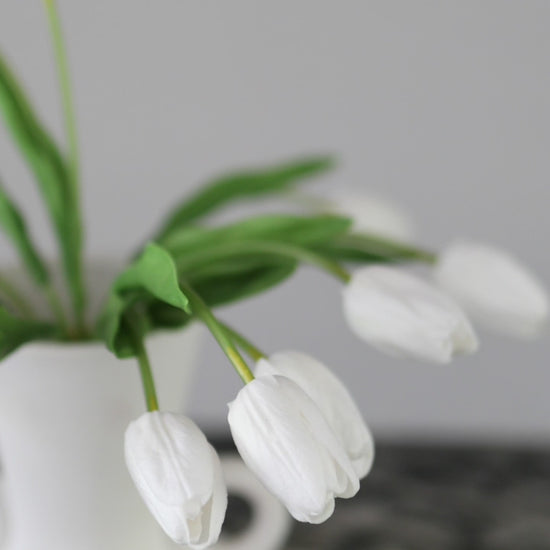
(178,475)
(164,446)
(284,439)
(494,288)
(406,317)
(214,511)
(332,397)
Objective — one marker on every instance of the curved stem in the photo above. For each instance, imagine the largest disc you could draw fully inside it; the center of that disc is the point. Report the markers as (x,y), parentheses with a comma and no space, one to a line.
(203,312)
(243,342)
(145,372)
(14,295)
(269,248)
(134,320)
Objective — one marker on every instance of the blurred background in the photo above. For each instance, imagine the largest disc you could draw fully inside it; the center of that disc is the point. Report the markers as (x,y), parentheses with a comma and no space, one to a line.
(443,107)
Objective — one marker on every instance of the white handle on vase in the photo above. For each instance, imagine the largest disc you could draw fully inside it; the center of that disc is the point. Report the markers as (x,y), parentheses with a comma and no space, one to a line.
(270,523)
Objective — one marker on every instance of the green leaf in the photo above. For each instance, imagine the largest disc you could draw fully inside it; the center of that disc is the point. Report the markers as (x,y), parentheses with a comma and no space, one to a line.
(254,243)
(163,316)
(150,278)
(15,331)
(242,185)
(51,172)
(223,289)
(228,267)
(239,254)
(299,230)
(14,226)
(361,248)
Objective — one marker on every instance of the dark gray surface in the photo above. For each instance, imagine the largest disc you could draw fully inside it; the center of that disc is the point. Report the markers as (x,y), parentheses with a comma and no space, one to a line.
(428,498)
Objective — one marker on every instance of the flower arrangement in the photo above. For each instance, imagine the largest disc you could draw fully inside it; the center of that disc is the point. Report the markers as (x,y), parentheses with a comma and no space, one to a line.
(294,423)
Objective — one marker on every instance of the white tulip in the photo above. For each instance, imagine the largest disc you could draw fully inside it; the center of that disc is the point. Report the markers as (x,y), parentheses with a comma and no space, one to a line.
(178,475)
(332,397)
(406,317)
(494,288)
(370,214)
(285,440)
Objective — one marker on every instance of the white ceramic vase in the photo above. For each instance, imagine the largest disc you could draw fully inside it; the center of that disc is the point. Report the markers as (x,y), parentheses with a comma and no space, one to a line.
(63,412)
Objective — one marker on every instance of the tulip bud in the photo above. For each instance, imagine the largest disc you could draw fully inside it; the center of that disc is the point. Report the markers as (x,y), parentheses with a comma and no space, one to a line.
(494,288)
(370,214)
(406,317)
(178,475)
(332,398)
(285,440)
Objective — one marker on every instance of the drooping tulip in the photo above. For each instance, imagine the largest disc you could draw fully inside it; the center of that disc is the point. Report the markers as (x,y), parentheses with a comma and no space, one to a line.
(178,475)
(406,317)
(332,397)
(494,288)
(284,439)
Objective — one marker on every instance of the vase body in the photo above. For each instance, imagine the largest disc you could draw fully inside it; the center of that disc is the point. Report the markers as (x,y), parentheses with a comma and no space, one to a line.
(63,412)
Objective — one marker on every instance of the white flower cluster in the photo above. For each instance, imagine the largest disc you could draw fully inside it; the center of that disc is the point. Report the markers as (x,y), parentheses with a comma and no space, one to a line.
(296,427)
(405,316)
(295,424)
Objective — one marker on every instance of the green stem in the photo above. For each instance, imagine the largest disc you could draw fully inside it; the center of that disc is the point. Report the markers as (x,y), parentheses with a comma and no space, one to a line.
(72,141)
(244,343)
(203,312)
(13,294)
(269,248)
(145,371)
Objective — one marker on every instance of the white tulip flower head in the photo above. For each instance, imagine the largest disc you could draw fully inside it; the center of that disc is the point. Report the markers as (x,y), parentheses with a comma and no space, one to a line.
(405,317)
(494,288)
(285,440)
(332,398)
(178,474)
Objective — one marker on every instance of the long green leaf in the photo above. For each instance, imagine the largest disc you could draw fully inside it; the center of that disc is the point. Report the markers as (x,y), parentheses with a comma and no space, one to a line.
(224,289)
(50,170)
(14,226)
(151,278)
(283,228)
(15,331)
(242,185)
(361,248)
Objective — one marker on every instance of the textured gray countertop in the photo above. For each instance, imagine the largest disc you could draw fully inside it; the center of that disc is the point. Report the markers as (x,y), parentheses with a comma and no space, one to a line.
(435,498)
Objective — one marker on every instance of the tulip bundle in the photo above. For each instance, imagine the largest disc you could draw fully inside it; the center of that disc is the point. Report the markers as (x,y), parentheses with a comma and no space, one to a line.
(294,423)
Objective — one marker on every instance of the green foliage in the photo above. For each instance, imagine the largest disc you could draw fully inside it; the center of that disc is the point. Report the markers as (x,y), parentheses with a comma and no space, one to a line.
(51,172)
(15,331)
(150,278)
(226,288)
(242,185)
(232,262)
(149,287)
(360,248)
(300,230)
(13,224)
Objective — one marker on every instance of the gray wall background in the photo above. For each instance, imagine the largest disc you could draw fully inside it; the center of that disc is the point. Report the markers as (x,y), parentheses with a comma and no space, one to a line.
(443,106)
